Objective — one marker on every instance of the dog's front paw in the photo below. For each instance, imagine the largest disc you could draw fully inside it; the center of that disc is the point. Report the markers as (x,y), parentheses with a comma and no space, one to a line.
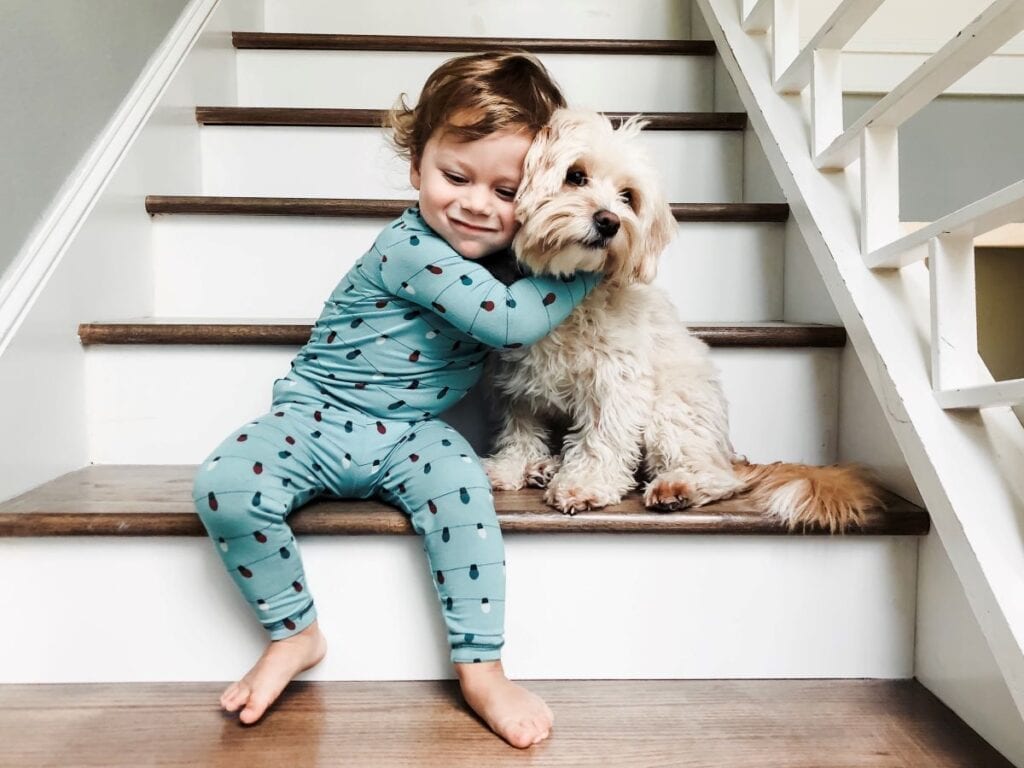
(539,473)
(677,489)
(505,474)
(570,495)
(667,494)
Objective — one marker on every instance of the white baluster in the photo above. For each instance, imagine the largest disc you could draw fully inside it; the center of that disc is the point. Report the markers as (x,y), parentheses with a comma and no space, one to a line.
(785,35)
(953,310)
(879,187)
(826,98)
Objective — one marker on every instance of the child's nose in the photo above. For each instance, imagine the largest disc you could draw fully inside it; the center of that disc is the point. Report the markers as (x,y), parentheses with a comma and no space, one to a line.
(478,199)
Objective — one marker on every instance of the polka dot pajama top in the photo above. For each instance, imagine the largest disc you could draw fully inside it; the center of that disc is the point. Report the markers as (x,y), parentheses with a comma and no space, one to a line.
(402,338)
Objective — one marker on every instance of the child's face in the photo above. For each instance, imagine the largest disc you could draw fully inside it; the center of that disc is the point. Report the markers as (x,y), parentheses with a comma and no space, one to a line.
(467,189)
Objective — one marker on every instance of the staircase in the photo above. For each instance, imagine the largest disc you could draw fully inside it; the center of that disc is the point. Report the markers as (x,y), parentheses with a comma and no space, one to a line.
(244,219)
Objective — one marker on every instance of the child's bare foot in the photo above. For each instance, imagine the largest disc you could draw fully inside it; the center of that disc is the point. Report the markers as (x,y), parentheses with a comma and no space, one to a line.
(280,662)
(521,718)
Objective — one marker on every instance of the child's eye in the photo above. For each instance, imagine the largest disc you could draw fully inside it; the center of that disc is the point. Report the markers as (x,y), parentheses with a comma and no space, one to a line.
(507,194)
(454,178)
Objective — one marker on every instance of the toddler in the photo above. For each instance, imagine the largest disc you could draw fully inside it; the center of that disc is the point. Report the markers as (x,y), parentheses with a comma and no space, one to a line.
(402,338)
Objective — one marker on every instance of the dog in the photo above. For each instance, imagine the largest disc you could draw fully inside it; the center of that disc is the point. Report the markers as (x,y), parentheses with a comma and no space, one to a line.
(621,384)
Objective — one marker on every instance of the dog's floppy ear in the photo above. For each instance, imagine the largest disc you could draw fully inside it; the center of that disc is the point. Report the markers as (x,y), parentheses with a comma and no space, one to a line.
(541,178)
(657,224)
(541,169)
(535,157)
(658,233)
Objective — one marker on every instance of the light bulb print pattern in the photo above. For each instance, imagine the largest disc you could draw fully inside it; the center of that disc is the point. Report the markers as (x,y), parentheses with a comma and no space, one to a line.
(402,338)
(249,485)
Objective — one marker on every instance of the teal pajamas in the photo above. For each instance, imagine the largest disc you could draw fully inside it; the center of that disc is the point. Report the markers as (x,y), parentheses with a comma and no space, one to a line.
(402,338)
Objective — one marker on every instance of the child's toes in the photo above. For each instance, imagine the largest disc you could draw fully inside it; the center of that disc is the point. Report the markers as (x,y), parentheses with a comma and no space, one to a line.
(234,697)
(532,731)
(227,695)
(256,706)
(521,735)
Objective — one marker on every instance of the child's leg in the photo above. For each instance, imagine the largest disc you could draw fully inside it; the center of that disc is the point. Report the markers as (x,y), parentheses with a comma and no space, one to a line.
(435,477)
(243,492)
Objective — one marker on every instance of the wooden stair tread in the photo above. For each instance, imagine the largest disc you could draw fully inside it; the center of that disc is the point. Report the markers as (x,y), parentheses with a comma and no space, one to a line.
(336,207)
(374,118)
(296,332)
(401,43)
(155,500)
(621,723)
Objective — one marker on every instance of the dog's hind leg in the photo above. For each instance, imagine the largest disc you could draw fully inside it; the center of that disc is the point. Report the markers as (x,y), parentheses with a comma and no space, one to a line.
(688,455)
(522,450)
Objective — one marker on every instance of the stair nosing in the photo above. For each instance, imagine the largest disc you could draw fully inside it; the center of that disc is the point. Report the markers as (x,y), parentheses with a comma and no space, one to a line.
(518,512)
(374,118)
(296,332)
(339,207)
(467,44)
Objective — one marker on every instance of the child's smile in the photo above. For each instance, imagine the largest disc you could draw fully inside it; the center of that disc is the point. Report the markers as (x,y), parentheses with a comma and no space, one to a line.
(467,189)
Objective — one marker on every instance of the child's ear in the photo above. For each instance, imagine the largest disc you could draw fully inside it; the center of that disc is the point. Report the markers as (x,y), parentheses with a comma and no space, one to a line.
(414,172)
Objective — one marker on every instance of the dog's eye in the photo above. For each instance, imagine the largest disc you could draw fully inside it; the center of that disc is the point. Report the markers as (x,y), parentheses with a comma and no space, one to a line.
(631,198)
(576,177)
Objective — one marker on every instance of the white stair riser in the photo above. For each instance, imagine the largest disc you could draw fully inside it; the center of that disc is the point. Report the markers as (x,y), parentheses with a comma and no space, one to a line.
(262,266)
(374,79)
(579,606)
(287,161)
(489,18)
(170,405)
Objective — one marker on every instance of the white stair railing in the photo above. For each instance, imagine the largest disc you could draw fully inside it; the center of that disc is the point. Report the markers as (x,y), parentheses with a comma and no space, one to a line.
(969,467)
(959,379)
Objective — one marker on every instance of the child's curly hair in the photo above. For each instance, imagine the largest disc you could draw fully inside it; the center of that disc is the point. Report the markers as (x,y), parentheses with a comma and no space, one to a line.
(474,96)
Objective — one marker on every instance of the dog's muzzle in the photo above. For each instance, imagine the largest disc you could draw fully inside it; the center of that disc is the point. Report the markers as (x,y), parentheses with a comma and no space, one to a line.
(605,227)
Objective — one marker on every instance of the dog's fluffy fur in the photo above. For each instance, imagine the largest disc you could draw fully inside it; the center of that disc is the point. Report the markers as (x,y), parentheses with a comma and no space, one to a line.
(622,377)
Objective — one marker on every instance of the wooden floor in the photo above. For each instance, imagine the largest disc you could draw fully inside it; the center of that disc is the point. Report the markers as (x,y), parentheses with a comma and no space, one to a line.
(728,724)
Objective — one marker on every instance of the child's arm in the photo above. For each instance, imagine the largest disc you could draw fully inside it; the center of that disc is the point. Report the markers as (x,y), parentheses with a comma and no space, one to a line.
(424,271)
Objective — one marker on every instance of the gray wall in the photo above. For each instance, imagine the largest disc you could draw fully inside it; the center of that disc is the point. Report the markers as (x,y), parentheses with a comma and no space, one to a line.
(954,151)
(65,66)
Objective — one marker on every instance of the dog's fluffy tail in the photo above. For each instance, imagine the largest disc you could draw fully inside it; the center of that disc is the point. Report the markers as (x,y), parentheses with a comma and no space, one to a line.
(834,497)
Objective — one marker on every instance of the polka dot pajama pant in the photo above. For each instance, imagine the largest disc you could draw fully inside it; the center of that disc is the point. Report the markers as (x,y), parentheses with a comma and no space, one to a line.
(250,483)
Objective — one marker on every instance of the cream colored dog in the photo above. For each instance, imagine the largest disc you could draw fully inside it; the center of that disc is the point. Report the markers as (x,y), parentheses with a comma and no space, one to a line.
(622,377)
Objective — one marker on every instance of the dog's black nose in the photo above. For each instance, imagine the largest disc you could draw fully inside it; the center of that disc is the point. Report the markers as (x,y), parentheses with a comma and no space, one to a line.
(607,223)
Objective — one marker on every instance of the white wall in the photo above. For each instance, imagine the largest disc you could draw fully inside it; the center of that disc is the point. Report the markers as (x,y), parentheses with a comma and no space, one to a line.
(904,26)
(900,34)
(42,372)
(954,661)
(66,66)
